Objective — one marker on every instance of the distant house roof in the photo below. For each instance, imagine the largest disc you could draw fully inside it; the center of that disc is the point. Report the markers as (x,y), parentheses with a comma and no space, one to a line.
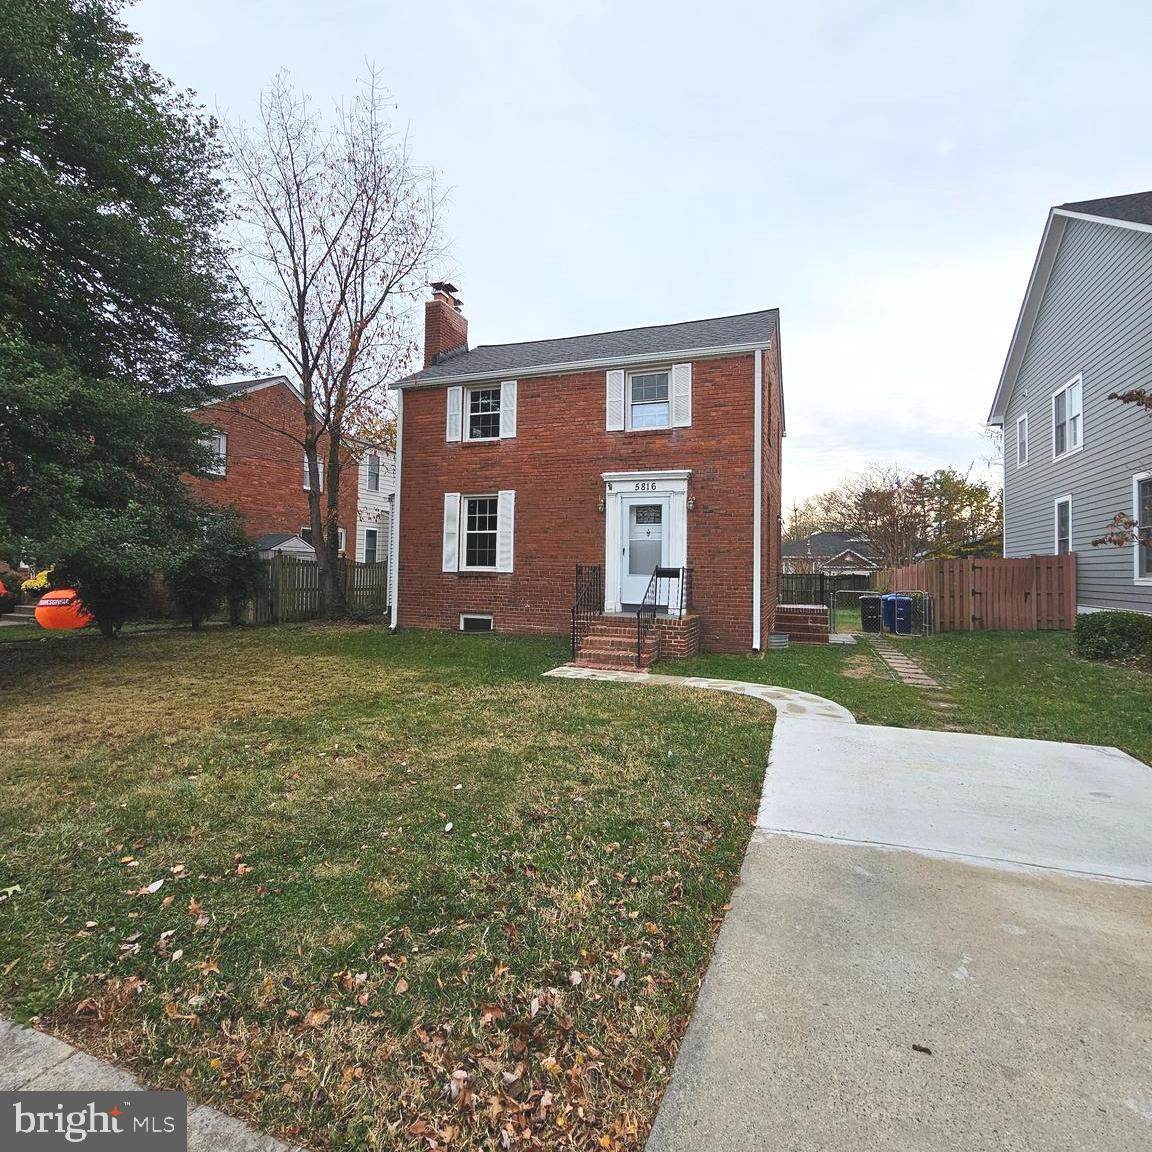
(828,544)
(745,332)
(1135,208)
(1133,211)
(275,541)
(238,387)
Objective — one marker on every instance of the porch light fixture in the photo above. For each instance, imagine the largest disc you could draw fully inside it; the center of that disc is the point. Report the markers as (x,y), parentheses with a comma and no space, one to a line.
(600,504)
(691,503)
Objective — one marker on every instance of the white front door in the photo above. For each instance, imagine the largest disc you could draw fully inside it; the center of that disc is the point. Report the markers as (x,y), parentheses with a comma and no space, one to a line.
(643,547)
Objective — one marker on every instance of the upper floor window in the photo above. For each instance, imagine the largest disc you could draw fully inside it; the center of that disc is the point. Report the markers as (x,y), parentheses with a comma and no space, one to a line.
(319,472)
(1063,525)
(648,400)
(1068,418)
(483,413)
(217,444)
(1022,441)
(373,472)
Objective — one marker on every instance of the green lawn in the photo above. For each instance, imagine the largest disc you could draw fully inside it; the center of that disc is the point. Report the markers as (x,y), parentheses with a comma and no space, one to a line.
(1004,683)
(368,891)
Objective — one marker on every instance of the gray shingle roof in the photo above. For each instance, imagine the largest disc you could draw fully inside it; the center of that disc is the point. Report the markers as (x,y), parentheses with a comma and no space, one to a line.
(1135,208)
(630,344)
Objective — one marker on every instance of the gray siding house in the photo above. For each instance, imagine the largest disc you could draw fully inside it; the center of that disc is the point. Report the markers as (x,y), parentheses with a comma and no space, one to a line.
(1073,458)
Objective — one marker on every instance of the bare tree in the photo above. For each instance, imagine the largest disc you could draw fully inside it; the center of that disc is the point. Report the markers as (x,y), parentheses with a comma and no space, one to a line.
(335,229)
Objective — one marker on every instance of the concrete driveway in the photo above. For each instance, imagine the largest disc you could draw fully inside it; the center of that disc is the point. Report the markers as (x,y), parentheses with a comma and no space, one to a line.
(939,941)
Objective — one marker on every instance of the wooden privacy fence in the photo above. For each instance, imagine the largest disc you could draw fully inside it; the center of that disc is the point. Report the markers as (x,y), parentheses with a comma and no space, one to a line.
(992,594)
(290,589)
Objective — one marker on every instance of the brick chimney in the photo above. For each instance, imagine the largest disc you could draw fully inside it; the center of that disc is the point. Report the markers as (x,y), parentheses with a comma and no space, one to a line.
(445,328)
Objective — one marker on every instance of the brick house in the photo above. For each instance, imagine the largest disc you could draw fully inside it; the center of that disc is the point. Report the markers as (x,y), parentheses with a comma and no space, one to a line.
(631,450)
(262,473)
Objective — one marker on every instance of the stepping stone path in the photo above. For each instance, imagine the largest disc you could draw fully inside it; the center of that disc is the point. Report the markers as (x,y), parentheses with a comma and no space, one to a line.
(906,669)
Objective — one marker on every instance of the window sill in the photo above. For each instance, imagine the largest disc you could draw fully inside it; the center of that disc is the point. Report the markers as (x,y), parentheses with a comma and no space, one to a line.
(479,572)
(1142,581)
(649,431)
(1065,455)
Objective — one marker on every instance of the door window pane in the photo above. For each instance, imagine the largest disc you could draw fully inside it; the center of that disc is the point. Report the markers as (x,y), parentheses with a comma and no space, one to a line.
(370,545)
(1064,527)
(645,538)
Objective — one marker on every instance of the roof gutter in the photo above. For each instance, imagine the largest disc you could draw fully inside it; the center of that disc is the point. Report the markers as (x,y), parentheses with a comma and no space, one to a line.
(578,365)
(757,492)
(394,543)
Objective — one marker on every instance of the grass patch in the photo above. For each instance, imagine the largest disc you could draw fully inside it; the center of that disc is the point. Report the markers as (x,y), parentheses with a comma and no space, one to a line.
(1026,684)
(369,891)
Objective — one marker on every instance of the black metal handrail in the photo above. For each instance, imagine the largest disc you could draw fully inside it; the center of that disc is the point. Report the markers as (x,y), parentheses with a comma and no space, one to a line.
(589,602)
(646,613)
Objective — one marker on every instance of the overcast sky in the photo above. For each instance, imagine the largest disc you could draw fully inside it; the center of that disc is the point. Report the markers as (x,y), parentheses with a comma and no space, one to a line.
(878,171)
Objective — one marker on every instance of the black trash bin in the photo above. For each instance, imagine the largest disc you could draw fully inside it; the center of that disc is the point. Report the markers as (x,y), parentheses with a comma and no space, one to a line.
(870,613)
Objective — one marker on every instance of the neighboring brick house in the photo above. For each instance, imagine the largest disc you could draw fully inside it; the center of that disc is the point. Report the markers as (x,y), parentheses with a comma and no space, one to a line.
(262,472)
(629,450)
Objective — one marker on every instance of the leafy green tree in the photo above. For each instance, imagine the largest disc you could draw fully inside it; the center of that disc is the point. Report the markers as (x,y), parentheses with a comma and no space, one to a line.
(115,309)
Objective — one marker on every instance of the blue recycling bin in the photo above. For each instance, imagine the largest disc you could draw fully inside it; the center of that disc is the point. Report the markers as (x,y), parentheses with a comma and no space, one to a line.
(896,609)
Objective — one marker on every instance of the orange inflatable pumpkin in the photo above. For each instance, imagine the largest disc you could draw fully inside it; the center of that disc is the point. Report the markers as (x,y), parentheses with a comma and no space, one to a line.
(61,609)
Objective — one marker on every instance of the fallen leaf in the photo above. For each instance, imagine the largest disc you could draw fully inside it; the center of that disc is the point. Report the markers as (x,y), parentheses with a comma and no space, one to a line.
(317,1017)
(401,986)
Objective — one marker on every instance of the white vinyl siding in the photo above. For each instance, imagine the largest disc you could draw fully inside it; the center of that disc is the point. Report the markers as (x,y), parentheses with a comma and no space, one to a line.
(478,533)
(1068,418)
(455,402)
(1062,525)
(1022,441)
(614,401)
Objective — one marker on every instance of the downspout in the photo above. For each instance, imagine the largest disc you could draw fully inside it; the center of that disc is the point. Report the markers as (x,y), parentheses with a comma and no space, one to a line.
(394,544)
(757,494)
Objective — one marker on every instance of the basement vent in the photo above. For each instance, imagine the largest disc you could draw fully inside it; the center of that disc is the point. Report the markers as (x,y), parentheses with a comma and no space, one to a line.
(475,623)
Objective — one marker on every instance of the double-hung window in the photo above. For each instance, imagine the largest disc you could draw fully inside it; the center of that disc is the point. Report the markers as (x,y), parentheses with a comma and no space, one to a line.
(483,413)
(217,444)
(373,472)
(1142,528)
(1022,441)
(1068,418)
(648,400)
(319,470)
(481,518)
(1063,525)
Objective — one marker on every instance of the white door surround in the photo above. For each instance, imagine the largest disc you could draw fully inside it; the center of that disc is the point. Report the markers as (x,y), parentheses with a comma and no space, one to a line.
(623,490)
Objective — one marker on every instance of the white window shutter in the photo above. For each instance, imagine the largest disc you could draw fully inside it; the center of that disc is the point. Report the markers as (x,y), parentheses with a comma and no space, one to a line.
(614,401)
(455,408)
(507,409)
(451,531)
(505,526)
(681,395)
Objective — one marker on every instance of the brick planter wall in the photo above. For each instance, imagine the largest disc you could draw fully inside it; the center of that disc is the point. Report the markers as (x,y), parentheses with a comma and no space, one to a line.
(678,637)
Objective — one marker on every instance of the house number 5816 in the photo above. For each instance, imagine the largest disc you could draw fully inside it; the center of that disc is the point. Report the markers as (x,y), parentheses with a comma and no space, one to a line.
(645,486)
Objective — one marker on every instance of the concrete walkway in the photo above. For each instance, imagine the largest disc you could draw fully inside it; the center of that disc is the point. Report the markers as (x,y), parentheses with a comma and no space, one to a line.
(940,943)
(33,1062)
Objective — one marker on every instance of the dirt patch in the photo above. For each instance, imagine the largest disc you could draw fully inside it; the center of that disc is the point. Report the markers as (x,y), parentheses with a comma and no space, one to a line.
(859,668)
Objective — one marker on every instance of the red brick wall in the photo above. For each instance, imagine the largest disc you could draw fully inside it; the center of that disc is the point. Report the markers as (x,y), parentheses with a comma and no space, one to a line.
(554,465)
(444,327)
(265,476)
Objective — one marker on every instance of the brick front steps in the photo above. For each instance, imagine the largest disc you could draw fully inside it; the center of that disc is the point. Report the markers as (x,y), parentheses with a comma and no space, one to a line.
(804,623)
(611,641)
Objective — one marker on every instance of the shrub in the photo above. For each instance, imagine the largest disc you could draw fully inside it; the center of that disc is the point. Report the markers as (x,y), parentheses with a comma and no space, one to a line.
(9,590)
(1114,636)
(219,565)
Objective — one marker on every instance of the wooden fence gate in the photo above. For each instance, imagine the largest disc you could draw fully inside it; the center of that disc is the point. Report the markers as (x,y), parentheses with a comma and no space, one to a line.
(980,595)
(290,589)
